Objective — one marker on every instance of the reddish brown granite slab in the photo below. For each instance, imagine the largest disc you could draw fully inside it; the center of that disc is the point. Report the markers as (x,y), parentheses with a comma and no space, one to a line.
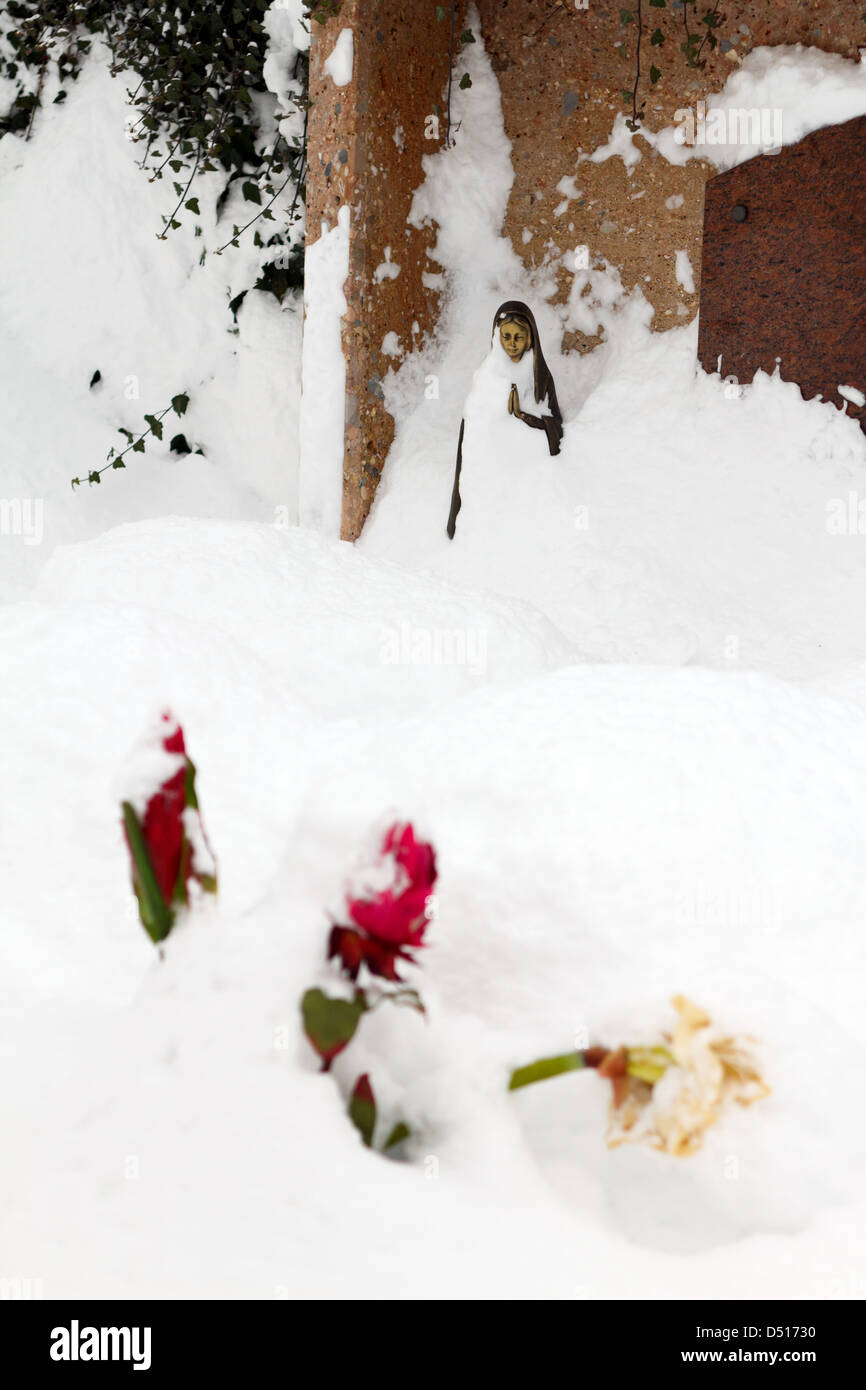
(789,282)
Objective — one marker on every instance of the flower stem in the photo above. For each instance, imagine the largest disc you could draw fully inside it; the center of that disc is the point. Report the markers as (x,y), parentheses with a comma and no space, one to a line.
(546,1067)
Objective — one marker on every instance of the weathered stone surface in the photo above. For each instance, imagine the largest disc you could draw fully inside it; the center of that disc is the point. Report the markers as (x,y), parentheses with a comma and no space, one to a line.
(365,145)
(783,275)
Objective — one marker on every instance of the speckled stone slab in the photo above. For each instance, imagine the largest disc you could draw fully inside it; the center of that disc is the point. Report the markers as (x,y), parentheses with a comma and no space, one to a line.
(784,266)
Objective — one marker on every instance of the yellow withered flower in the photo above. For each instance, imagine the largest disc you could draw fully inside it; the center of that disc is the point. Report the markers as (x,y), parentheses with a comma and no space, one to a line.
(669,1096)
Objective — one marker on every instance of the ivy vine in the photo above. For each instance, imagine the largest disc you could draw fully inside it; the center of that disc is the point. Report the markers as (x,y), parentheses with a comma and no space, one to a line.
(197,103)
(696,40)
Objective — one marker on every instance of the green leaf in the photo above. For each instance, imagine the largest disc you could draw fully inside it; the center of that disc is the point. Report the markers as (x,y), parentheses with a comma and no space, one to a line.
(138,446)
(156,918)
(176,165)
(251,192)
(330,1024)
(362,1109)
(192,205)
(440,13)
(155,426)
(180,403)
(655,74)
(465,81)
(467,36)
(93,477)
(397,1135)
(626,17)
(658,4)
(97,376)
(657,37)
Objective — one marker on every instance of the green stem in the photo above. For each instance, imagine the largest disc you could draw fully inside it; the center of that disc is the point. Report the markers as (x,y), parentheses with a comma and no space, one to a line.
(546,1067)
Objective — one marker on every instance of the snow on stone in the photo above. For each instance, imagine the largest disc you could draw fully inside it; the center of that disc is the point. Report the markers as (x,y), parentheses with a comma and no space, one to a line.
(852,394)
(391,344)
(684,272)
(340,61)
(387,269)
(774,98)
(320,478)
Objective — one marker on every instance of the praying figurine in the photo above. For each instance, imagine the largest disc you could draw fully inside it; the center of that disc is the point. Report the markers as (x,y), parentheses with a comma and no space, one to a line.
(513,381)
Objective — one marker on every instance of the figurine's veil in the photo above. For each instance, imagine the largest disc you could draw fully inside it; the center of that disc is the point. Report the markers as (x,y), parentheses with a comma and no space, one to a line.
(543,381)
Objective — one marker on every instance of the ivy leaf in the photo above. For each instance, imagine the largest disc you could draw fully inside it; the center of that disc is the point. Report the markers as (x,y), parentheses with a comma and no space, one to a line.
(440,13)
(97,376)
(467,36)
(658,4)
(362,1109)
(235,304)
(657,37)
(655,74)
(179,445)
(176,165)
(626,17)
(192,205)
(180,403)
(93,477)
(251,192)
(138,446)
(465,81)
(155,426)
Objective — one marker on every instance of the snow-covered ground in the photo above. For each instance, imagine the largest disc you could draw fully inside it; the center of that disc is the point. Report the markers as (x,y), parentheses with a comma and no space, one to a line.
(629,710)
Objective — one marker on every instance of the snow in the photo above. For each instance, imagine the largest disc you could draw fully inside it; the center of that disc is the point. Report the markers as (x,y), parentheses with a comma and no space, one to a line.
(387,269)
(684,272)
(626,703)
(288,34)
(339,63)
(79,224)
(324,378)
(852,394)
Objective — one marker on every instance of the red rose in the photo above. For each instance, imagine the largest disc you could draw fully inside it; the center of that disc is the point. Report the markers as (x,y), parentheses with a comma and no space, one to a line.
(162,825)
(394,917)
(164,858)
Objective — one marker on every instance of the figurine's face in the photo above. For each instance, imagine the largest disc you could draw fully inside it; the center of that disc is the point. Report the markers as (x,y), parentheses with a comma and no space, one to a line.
(514,339)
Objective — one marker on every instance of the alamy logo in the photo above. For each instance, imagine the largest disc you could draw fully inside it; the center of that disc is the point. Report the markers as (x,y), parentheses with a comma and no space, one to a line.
(719,125)
(75,1343)
(22,516)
